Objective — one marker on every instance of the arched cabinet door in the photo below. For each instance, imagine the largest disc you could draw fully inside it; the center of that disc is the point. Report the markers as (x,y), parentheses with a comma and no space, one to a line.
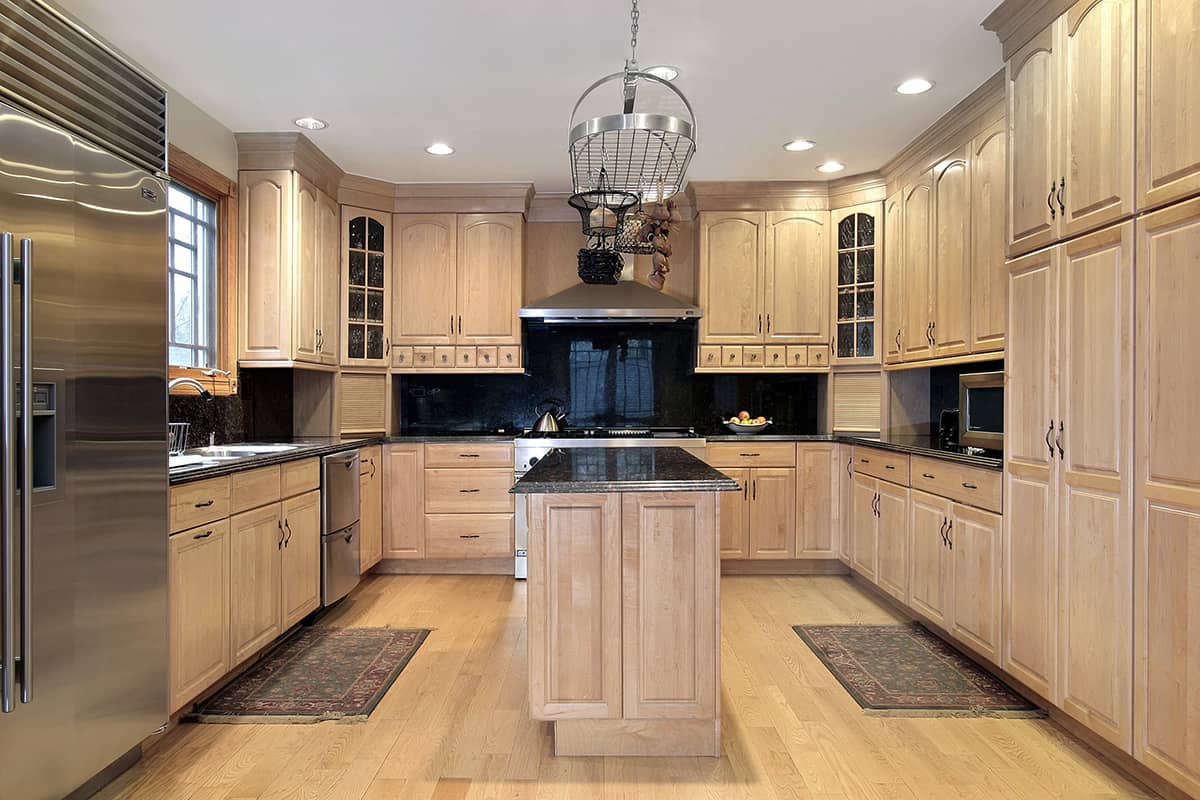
(489,279)
(795,303)
(732,261)
(424,265)
(366,274)
(857,265)
(1031,76)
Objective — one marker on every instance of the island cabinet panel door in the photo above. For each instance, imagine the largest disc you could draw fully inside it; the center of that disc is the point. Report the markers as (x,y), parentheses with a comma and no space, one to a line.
(575,606)
(735,516)
(670,572)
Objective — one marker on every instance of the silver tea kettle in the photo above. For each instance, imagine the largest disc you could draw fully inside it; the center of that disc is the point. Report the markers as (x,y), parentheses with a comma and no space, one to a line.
(553,419)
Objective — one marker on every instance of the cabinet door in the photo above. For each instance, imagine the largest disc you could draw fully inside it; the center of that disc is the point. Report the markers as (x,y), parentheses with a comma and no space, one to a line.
(951,295)
(796,300)
(307,283)
(1096,105)
(490,256)
(265,265)
(403,501)
(255,580)
(863,552)
(844,467)
(816,533)
(366,273)
(301,557)
(574,606)
(1030,473)
(735,516)
(1168,116)
(975,580)
(370,498)
(1032,140)
(1167,533)
(893,536)
(918,220)
(198,590)
(989,274)
(425,266)
(671,663)
(1095,484)
(856,282)
(732,256)
(773,513)
(329,267)
(929,589)
(892,329)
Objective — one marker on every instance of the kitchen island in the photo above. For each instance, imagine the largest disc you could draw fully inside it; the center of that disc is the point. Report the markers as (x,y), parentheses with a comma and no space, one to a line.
(623,600)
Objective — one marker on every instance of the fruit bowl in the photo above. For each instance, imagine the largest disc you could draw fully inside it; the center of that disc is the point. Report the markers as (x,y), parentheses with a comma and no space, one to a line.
(747,427)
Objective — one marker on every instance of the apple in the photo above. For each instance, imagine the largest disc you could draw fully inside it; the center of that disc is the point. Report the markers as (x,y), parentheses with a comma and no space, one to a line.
(733,420)
(743,415)
(760,420)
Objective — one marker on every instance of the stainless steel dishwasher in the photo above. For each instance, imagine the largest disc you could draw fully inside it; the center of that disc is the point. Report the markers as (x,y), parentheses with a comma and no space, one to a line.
(340,538)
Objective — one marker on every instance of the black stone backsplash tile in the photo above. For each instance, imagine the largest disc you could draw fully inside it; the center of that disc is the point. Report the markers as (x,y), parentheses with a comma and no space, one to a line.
(261,411)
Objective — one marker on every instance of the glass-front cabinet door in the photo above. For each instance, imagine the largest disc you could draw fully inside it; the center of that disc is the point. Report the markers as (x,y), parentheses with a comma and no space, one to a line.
(856,265)
(366,269)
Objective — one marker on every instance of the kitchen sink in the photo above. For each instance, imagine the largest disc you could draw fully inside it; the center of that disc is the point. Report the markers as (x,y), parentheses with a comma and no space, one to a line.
(241,450)
(176,462)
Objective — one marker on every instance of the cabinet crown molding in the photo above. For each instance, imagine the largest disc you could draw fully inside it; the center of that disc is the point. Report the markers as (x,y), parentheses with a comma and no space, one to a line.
(435,198)
(1016,22)
(290,151)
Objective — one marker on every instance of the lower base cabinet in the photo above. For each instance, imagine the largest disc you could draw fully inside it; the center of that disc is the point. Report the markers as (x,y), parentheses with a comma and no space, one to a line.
(198,591)
(891,512)
(929,589)
(864,549)
(300,559)
(370,507)
(404,501)
(256,578)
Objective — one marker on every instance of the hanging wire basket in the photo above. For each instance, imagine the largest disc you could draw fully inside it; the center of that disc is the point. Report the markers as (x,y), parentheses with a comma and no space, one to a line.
(644,149)
(603,208)
(629,237)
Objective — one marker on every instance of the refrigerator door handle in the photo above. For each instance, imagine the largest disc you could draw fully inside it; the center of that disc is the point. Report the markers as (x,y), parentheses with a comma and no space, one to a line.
(26,454)
(8,423)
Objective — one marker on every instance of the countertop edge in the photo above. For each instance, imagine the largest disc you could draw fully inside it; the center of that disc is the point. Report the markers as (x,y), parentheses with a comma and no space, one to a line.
(302,451)
(626,487)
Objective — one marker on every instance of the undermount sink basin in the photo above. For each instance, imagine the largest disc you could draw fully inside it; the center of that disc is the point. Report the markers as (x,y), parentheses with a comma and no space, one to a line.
(237,450)
(175,462)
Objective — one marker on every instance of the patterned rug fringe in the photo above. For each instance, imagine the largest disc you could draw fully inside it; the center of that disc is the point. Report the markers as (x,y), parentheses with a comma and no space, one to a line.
(273,719)
(960,713)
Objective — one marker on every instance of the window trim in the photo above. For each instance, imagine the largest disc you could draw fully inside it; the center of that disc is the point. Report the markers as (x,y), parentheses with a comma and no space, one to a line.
(196,176)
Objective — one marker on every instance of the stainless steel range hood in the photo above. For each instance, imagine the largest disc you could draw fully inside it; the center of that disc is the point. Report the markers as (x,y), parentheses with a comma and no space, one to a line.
(627,301)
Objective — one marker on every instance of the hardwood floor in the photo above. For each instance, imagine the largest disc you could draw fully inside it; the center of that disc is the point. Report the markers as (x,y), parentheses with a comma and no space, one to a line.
(456,726)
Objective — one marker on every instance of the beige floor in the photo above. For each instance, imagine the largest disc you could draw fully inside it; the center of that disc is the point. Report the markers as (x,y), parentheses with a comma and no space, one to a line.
(455,724)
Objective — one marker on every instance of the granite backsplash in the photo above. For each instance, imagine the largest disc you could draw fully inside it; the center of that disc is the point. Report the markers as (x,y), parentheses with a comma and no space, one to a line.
(260,411)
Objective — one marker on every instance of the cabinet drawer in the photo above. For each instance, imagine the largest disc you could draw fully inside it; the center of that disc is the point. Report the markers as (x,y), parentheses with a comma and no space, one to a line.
(710,356)
(469,491)
(509,356)
(776,356)
(752,356)
(464,357)
(443,357)
(253,488)
(196,503)
(751,454)
(459,456)
(731,356)
(298,477)
(468,535)
(422,357)
(485,357)
(797,355)
(402,357)
(818,355)
(965,484)
(882,464)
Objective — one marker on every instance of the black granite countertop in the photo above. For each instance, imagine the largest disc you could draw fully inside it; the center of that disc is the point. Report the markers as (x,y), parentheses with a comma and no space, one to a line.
(451,438)
(913,444)
(623,469)
(301,448)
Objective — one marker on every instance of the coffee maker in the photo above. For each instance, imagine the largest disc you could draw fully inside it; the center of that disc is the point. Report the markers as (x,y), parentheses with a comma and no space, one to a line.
(948,429)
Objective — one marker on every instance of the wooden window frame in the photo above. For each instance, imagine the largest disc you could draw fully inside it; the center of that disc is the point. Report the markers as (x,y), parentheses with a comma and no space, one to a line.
(196,176)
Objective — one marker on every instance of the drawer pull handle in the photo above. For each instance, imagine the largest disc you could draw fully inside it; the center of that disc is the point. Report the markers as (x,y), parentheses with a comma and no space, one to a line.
(927,475)
(204,535)
(469,536)
(889,466)
(468,491)
(468,455)
(205,504)
(969,486)
(865,460)
(749,455)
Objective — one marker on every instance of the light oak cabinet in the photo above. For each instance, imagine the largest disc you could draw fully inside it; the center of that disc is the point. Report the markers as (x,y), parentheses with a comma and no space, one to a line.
(857,264)
(256,580)
(784,509)
(950,298)
(988,271)
(1071,125)
(916,252)
(816,529)
(425,264)
(301,557)
(864,541)
(370,499)
(404,501)
(1167,492)
(732,276)
(287,270)
(892,329)
(198,589)
(735,516)
(366,287)
(929,590)
(772,510)
(891,537)
(490,257)
(796,286)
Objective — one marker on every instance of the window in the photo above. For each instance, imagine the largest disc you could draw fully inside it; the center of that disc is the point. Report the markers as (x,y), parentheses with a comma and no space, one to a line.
(192,323)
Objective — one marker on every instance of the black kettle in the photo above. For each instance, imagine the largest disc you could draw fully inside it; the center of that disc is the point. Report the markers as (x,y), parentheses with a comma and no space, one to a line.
(553,419)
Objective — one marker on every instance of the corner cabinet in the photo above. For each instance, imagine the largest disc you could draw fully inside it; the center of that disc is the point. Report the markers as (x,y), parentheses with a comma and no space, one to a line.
(856,271)
(287,271)
(365,291)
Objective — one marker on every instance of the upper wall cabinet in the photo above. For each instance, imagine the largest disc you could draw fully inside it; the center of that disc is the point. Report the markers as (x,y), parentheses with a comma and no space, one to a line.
(856,270)
(917,208)
(1168,124)
(287,271)
(796,299)
(732,273)
(457,281)
(1071,125)
(367,251)
(950,299)
(892,331)
(989,274)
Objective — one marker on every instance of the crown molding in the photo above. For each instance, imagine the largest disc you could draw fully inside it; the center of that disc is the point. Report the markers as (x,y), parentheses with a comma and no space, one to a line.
(435,198)
(758,195)
(977,111)
(291,151)
(1016,22)
(869,187)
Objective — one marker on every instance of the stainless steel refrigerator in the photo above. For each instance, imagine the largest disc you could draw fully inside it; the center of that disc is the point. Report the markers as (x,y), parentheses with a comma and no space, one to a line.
(83,523)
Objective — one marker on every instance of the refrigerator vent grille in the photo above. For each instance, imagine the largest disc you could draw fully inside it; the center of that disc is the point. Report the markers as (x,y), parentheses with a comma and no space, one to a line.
(52,67)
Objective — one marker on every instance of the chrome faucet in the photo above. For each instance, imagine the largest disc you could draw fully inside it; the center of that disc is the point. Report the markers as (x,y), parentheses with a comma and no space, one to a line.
(190,382)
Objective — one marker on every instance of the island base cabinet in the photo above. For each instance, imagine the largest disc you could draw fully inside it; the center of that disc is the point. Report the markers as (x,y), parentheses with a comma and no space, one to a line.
(624,622)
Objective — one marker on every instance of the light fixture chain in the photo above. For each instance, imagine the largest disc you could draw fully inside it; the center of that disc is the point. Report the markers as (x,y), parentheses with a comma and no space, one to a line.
(634,14)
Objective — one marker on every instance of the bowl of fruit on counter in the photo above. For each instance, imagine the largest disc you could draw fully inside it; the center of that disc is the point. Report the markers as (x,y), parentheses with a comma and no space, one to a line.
(744,423)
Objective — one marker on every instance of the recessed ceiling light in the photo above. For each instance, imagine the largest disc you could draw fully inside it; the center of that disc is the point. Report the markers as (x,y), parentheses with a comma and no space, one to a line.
(914,86)
(439,149)
(311,123)
(664,71)
(831,166)
(798,145)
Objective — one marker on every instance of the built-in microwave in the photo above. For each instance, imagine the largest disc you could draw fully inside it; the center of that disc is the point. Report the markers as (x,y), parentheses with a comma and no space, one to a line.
(981,410)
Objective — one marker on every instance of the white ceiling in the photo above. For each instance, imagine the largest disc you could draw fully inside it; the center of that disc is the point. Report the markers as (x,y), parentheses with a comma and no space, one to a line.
(497,80)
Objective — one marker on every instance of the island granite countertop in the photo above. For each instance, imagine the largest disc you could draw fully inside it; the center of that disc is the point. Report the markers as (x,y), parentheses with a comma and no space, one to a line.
(626,469)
